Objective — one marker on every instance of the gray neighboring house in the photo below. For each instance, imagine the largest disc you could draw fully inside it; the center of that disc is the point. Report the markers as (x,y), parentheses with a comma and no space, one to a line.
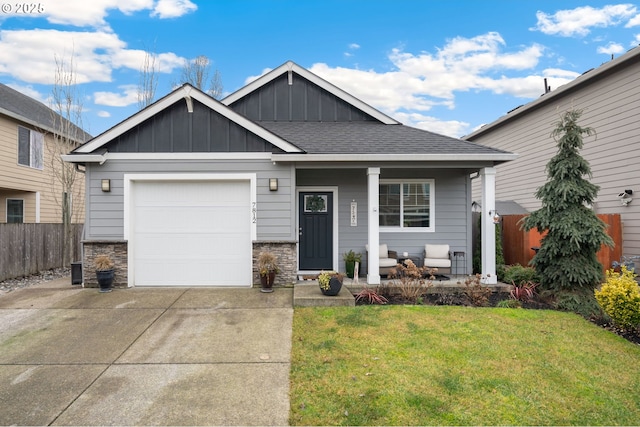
(610,98)
(189,190)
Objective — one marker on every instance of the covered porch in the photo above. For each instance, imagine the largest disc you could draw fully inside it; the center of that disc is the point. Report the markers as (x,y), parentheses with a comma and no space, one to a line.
(362,214)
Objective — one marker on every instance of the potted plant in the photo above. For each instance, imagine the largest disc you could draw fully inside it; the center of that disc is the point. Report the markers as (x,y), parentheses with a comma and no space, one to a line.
(330,282)
(350,258)
(267,268)
(104,272)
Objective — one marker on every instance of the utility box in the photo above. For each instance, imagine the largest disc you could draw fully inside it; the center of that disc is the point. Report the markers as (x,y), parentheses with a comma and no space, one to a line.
(76,273)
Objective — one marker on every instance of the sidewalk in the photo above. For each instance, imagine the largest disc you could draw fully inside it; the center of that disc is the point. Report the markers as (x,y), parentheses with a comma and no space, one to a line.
(143,356)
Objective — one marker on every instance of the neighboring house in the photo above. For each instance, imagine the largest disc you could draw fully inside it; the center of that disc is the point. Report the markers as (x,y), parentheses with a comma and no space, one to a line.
(28,191)
(610,98)
(189,190)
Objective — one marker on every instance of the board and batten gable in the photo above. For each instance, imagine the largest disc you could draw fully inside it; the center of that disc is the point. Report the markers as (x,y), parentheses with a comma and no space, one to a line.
(611,107)
(300,101)
(176,130)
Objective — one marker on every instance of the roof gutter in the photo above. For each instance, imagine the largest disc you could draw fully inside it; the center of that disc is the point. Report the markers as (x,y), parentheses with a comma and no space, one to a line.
(505,157)
(84,158)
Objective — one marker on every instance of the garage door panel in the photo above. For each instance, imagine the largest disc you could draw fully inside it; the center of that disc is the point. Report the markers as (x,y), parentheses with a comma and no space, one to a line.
(186,192)
(192,233)
(180,219)
(180,245)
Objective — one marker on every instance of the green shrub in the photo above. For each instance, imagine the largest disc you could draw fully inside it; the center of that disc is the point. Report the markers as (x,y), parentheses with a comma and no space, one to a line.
(619,297)
(579,301)
(519,275)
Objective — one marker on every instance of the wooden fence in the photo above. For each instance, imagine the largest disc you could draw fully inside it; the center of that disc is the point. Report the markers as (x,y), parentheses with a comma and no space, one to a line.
(30,248)
(517,244)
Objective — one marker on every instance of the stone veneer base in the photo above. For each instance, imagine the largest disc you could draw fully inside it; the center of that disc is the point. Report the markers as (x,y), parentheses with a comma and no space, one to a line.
(285,252)
(287,256)
(116,249)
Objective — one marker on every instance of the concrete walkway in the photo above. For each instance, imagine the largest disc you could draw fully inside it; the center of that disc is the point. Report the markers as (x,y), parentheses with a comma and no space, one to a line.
(169,356)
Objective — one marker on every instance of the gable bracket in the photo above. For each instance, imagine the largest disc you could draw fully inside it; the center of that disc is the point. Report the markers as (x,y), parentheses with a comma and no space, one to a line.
(187,98)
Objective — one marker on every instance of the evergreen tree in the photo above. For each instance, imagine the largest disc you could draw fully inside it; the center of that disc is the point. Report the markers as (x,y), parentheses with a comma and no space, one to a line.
(566,261)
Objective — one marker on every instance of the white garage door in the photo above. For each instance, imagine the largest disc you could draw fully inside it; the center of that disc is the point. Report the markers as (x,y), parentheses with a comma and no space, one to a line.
(191,233)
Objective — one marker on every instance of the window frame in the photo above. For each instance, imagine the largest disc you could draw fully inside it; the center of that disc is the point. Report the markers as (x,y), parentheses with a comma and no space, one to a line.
(7,210)
(431,206)
(34,136)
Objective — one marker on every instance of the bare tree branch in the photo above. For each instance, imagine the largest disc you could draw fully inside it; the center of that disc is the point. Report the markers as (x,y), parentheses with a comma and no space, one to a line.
(66,119)
(196,72)
(148,80)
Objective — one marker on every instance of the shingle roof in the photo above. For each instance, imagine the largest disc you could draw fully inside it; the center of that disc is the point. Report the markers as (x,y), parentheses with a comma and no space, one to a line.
(370,137)
(27,109)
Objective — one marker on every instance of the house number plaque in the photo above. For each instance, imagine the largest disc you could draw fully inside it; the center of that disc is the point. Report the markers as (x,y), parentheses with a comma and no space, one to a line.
(354,214)
(254,213)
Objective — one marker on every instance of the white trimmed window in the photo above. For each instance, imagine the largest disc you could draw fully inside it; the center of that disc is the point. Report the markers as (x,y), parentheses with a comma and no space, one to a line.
(407,205)
(15,211)
(30,148)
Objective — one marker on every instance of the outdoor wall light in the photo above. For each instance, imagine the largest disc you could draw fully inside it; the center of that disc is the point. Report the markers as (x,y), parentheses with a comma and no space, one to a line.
(106,185)
(273,184)
(625,197)
(496,216)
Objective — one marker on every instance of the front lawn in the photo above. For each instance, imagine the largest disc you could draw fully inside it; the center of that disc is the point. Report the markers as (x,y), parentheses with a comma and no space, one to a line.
(446,365)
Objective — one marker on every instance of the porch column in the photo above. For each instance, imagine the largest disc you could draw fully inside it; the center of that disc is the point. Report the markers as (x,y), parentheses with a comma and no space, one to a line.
(488,228)
(373,258)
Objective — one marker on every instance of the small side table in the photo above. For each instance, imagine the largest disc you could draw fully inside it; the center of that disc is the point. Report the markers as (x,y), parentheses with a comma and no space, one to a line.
(415,259)
(459,256)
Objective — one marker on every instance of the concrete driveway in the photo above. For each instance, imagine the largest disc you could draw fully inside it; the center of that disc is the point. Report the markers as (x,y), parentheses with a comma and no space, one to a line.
(168,356)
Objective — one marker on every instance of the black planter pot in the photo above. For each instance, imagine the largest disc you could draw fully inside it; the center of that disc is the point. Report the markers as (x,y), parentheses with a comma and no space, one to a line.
(350,266)
(105,279)
(335,285)
(266,281)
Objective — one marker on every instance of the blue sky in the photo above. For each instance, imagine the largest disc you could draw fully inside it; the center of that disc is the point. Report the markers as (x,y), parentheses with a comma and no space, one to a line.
(445,66)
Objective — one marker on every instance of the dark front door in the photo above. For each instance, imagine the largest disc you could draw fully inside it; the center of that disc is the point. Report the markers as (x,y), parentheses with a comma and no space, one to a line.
(316,231)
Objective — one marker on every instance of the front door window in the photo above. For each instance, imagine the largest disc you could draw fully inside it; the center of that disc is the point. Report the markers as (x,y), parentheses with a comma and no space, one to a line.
(316,231)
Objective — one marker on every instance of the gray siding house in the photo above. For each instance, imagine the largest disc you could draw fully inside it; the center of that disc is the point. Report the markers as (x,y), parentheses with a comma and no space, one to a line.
(189,190)
(610,99)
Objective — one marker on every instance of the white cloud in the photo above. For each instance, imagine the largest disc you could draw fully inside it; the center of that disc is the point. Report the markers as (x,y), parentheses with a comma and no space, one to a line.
(611,48)
(452,128)
(84,13)
(173,8)
(579,21)
(352,47)
(636,42)
(92,13)
(104,114)
(134,58)
(420,82)
(252,78)
(30,55)
(633,22)
(111,99)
